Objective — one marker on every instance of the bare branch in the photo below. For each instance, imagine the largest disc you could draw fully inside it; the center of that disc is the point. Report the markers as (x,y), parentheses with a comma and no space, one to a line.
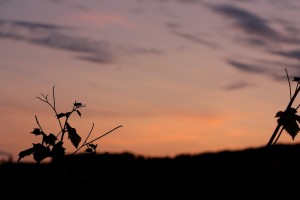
(53,96)
(105,134)
(37,121)
(289,83)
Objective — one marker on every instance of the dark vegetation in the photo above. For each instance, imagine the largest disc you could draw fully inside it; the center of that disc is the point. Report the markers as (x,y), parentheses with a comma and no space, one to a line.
(254,171)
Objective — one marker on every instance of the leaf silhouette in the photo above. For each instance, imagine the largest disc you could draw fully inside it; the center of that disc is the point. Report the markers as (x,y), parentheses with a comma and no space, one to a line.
(78,112)
(26,152)
(77,104)
(40,152)
(58,151)
(297,79)
(50,139)
(91,148)
(68,114)
(73,136)
(288,120)
(60,115)
(37,131)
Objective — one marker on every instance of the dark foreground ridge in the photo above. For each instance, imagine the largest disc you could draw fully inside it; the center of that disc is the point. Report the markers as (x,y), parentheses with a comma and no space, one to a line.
(252,172)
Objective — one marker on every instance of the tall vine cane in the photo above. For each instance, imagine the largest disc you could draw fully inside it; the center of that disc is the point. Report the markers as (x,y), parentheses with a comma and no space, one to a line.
(270,143)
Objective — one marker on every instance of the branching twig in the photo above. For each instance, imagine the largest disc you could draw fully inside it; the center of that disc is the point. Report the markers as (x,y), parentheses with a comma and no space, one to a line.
(53,108)
(50,147)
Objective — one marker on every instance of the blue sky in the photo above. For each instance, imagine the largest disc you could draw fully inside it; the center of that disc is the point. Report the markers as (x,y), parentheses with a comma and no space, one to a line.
(180,76)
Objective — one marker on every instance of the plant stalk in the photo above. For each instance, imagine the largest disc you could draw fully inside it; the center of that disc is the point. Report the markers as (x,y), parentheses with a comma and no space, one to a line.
(279,125)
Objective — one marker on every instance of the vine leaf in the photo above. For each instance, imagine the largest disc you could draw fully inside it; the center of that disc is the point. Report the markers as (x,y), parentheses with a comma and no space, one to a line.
(26,152)
(40,152)
(58,151)
(50,139)
(91,148)
(60,115)
(288,120)
(73,136)
(78,112)
(297,79)
(77,104)
(37,131)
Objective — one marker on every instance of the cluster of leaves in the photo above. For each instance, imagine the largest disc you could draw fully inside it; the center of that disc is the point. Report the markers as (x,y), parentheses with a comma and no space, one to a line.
(288,119)
(52,146)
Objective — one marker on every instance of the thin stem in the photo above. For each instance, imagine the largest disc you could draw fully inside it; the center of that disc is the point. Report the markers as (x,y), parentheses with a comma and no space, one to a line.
(38,123)
(289,83)
(53,96)
(96,138)
(84,143)
(278,135)
(88,134)
(104,134)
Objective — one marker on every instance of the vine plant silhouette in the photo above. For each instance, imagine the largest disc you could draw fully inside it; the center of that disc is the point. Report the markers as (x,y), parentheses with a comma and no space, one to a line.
(288,119)
(52,146)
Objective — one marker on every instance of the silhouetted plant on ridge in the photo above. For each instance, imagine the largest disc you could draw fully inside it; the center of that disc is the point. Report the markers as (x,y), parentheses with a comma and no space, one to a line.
(52,146)
(287,120)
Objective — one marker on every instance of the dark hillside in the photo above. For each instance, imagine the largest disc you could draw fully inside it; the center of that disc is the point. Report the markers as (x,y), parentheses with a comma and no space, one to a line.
(254,171)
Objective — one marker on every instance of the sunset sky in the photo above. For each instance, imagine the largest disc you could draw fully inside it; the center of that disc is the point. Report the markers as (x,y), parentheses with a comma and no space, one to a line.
(180,76)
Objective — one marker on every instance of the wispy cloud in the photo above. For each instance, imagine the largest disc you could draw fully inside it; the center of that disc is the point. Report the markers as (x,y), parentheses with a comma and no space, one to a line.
(257,43)
(295,54)
(257,28)
(246,67)
(101,58)
(237,85)
(247,21)
(195,38)
(292,55)
(258,33)
(255,68)
(53,36)
(60,37)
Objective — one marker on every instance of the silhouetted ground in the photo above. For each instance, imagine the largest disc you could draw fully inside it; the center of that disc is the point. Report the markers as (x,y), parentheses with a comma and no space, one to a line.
(250,173)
